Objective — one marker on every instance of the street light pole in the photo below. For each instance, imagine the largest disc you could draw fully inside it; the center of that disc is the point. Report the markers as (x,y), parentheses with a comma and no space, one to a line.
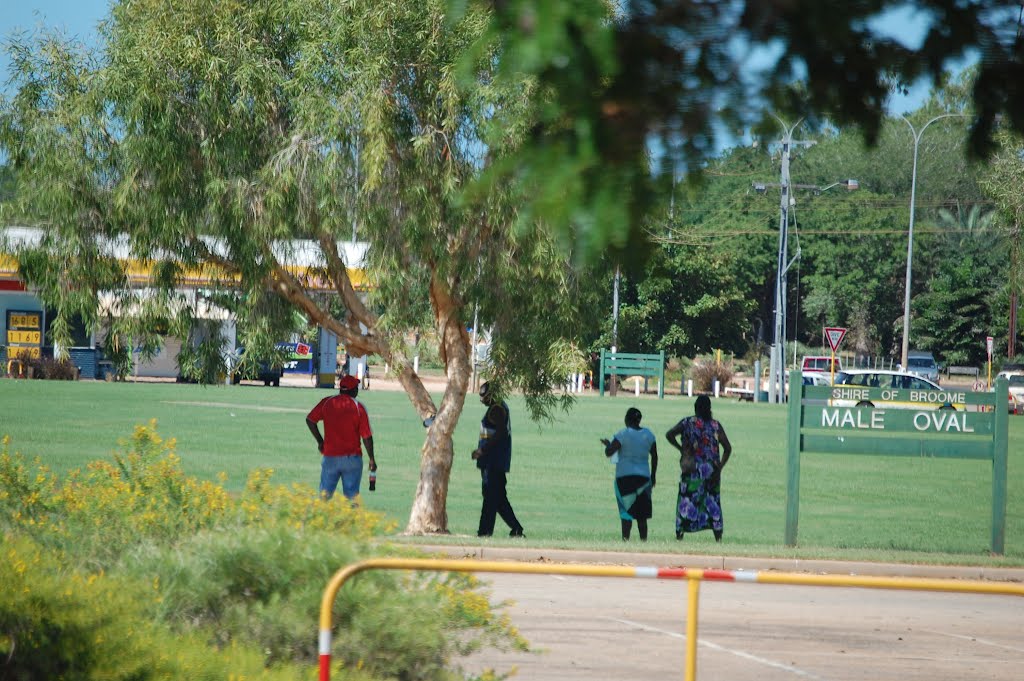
(615,326)
(916,134)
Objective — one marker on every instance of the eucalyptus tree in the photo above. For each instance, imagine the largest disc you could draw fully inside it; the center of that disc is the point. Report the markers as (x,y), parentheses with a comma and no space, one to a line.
(221,137)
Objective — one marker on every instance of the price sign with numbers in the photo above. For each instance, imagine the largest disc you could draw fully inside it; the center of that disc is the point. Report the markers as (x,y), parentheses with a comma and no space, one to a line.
(24,337)
(24,320)
(24,333)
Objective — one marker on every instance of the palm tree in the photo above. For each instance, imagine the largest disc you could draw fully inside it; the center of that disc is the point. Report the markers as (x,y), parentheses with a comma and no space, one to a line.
(970,227)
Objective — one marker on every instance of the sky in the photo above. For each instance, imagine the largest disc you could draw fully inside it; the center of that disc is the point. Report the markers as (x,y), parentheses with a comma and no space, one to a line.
(79,19)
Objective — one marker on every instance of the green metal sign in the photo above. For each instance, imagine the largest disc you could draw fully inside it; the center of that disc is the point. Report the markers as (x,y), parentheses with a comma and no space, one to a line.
(950,424)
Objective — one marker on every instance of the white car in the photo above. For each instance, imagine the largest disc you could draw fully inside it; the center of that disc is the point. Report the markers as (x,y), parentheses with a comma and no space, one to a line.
(892,389)
(816,378)
(1016,381)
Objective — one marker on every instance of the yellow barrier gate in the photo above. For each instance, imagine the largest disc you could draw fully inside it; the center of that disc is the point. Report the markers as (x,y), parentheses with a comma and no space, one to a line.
(693,576)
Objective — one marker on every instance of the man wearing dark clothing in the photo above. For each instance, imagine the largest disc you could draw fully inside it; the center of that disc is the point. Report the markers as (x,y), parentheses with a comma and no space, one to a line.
(493,457)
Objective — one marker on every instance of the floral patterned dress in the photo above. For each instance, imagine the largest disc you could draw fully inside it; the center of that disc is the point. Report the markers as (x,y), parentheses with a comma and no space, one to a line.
(699,505)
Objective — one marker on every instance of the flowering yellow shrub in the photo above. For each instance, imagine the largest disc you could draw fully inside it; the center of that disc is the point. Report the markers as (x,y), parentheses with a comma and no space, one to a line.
(25,491)
(144,494)
(300,507)
(465,602)
(245,569)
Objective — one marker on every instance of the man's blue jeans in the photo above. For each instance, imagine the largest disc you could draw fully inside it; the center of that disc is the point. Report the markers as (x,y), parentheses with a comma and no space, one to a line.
(348,469)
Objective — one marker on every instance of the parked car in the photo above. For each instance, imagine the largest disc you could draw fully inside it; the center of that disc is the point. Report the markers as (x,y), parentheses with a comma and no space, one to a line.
(268,371)
(816,378)
(905,391)
(922,363)
(1015,377)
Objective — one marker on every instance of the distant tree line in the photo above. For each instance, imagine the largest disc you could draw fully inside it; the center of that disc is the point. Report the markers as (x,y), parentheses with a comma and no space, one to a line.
(710,280)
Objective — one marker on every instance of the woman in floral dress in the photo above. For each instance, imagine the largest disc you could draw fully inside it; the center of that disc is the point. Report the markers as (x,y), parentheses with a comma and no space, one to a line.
(699,505)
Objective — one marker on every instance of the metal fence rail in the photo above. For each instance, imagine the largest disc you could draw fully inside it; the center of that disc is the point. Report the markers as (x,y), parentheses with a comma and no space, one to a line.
(693,577)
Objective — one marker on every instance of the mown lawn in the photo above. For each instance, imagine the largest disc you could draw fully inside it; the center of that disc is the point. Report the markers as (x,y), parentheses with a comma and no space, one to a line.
(868,508)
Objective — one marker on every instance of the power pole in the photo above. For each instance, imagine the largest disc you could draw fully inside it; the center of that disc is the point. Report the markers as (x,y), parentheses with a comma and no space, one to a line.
(777,371)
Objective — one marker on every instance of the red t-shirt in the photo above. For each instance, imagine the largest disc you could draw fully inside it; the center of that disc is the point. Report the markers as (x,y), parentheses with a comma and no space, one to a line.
(345,422)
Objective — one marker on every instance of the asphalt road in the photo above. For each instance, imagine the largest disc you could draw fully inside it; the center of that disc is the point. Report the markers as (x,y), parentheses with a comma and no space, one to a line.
(607,628)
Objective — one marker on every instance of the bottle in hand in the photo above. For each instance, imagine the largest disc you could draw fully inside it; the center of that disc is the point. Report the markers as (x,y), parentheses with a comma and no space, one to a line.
(373,480)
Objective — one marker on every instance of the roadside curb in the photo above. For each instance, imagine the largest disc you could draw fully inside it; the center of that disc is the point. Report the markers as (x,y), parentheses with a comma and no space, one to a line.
(710,562)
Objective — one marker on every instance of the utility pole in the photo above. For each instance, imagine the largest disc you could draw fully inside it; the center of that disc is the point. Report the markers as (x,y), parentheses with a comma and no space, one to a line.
(777,371)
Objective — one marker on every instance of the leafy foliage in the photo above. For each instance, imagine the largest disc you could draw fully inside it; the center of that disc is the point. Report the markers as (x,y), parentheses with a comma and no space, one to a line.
(715,246)
(59,623)
(690,300)
(1002,182)
(293,156)
(616,80)
(43,367)
(156,555)
(955,314)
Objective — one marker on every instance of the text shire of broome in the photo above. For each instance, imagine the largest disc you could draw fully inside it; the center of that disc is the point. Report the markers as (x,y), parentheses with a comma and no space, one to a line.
(889,395)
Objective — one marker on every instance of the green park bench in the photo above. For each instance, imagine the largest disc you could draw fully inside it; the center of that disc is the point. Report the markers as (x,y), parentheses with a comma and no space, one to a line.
(632,364)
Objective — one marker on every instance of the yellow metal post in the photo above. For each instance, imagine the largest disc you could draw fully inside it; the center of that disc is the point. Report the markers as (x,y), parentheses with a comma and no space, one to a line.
(693,593)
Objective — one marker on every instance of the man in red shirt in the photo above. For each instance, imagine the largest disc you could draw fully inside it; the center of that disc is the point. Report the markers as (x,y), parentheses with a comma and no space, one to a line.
(345,423)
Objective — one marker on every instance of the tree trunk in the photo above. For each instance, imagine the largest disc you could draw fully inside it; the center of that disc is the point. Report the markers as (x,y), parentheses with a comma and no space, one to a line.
(429,513)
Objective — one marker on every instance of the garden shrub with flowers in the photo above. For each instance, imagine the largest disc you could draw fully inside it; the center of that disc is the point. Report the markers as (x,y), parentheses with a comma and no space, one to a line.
(131,569)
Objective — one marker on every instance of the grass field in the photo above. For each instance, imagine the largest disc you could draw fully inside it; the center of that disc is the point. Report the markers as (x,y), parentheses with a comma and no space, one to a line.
(858,508)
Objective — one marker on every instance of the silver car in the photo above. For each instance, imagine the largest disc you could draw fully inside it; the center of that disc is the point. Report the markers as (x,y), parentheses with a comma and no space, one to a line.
(923,364)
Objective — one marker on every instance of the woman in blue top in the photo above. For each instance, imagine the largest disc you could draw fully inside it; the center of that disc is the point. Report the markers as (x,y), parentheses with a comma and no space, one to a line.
(634,478)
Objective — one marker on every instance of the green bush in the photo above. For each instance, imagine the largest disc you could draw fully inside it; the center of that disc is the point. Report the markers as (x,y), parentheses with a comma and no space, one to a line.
(143,496)
(61,624)
(241,572)
(263,587)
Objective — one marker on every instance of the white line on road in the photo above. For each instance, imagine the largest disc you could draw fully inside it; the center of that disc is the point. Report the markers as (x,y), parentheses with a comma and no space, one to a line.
(976,640)
(714,646)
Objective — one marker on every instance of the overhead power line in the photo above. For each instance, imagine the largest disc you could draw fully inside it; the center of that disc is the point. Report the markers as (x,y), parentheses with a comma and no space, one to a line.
(702,237)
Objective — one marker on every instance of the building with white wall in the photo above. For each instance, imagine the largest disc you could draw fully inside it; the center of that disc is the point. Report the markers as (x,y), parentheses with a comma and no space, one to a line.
(21,307)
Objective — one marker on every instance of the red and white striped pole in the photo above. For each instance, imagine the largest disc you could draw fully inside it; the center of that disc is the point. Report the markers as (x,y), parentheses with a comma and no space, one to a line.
(325,654)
